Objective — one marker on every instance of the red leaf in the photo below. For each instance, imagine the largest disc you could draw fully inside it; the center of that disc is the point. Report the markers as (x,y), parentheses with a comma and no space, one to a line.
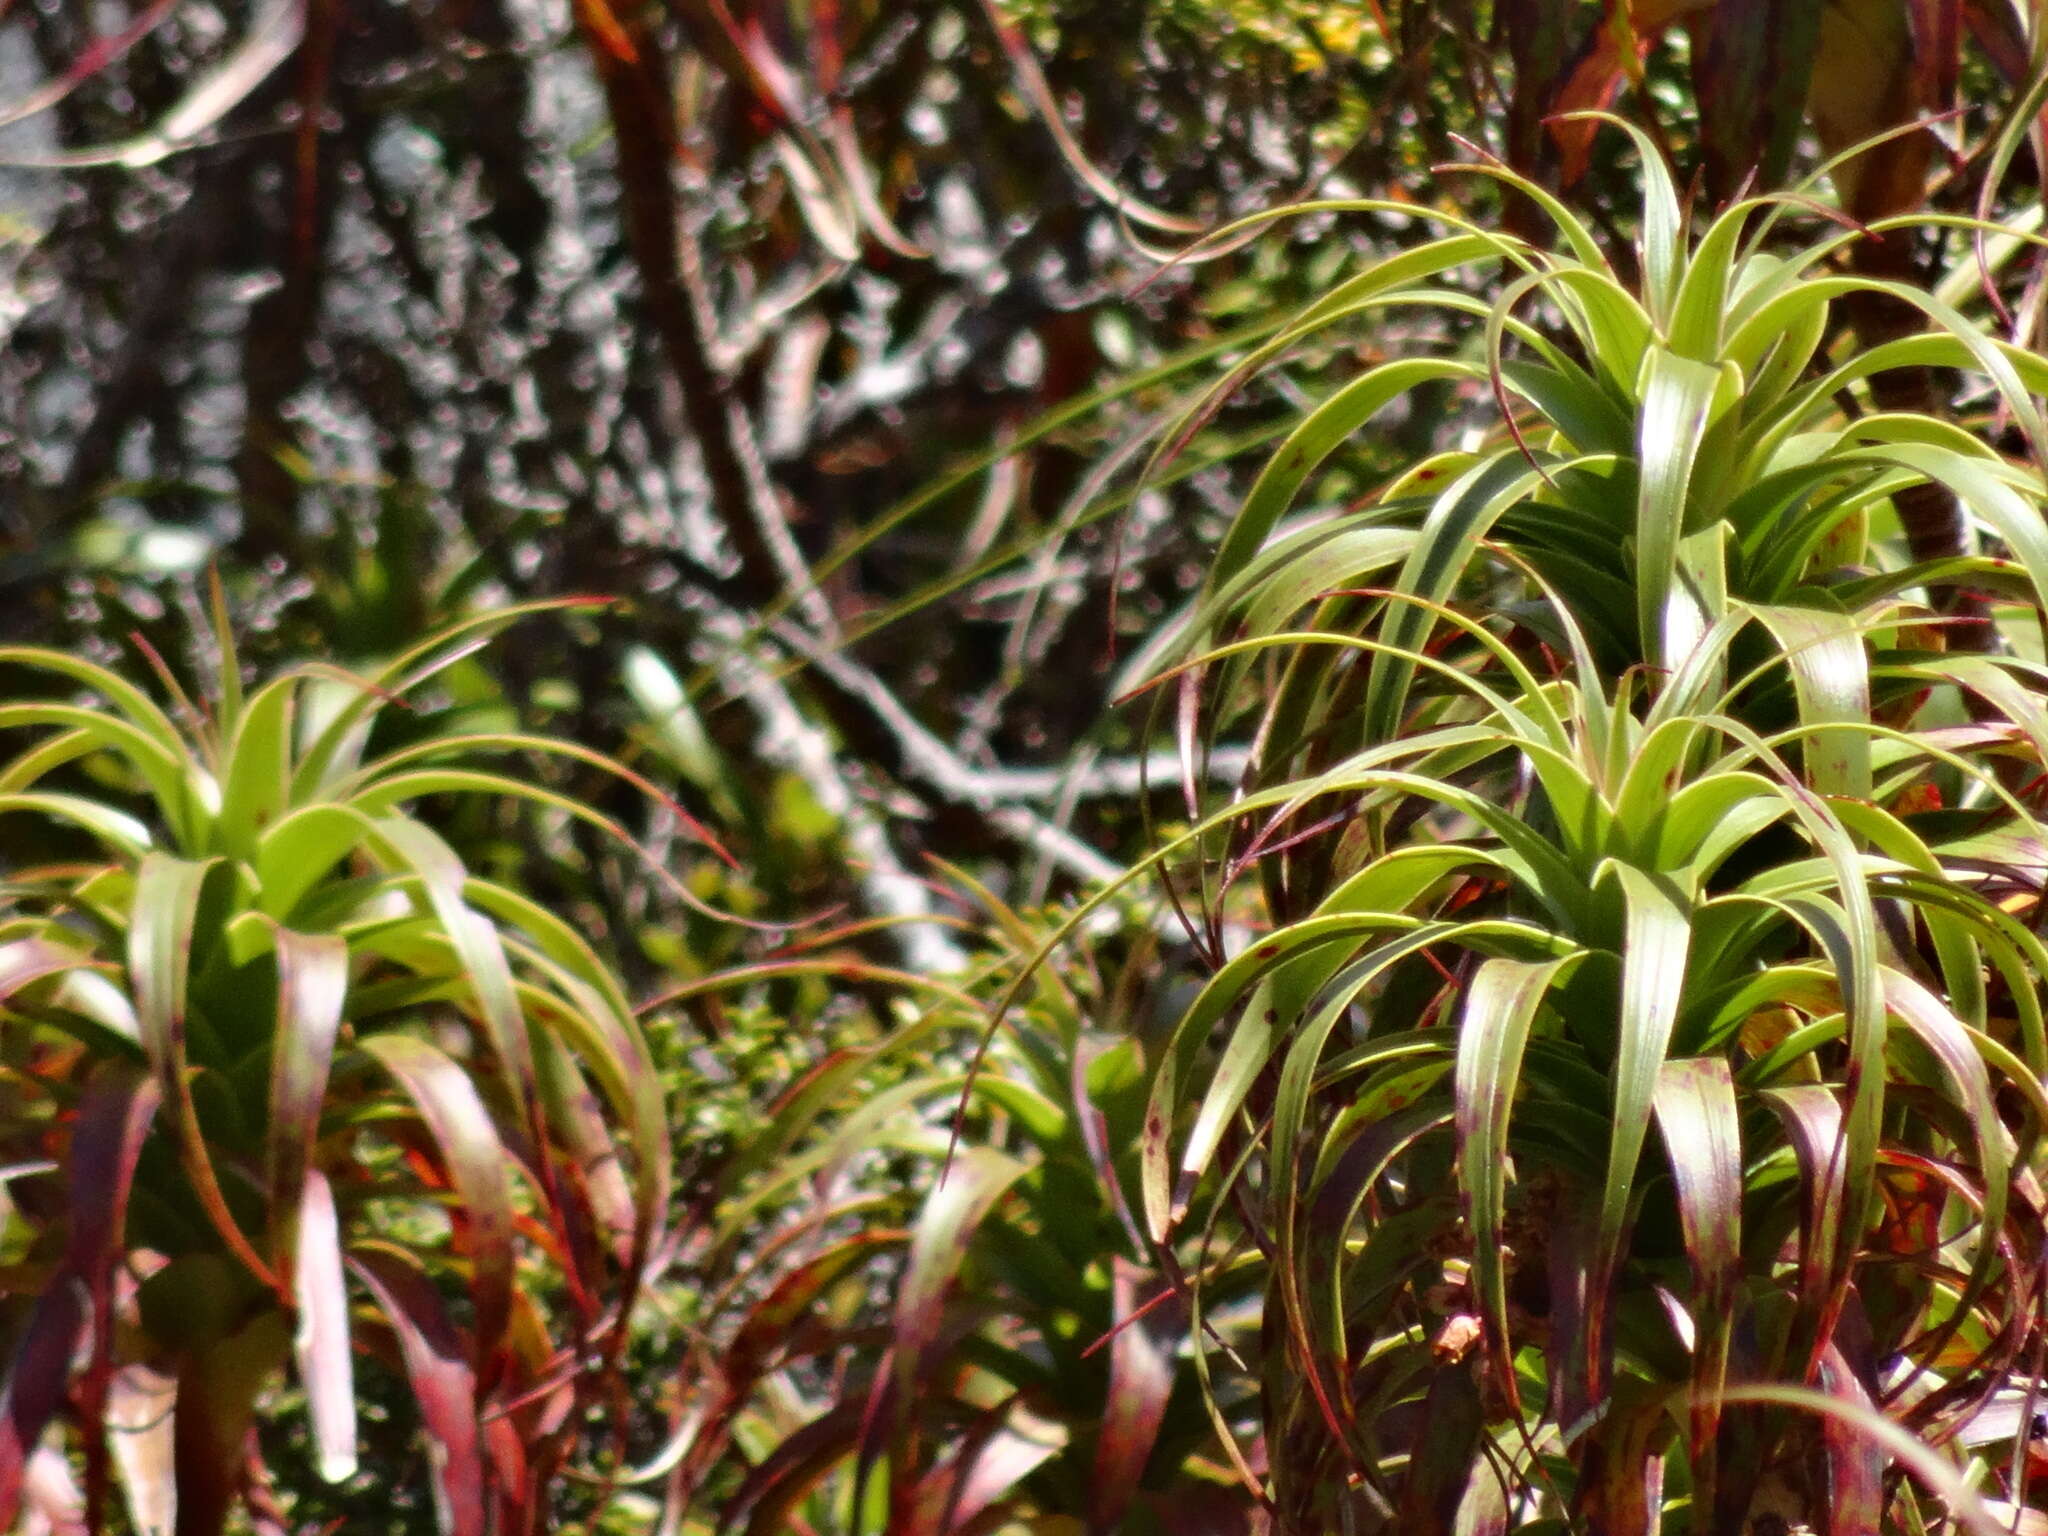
(1141,1372)
(108,1139)
(437,1365)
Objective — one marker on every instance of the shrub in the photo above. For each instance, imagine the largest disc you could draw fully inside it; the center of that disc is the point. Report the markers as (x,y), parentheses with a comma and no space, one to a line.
(1611,778)
(264,1032)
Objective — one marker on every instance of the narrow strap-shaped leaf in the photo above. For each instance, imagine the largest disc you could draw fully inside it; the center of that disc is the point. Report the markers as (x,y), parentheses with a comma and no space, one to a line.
(122,833)
(332,750)
(969,1188)
(297,853)
(477,1162)
(1695,1105)
(1657,933)
(1141,1374)
(478,946)
(25,960)
(312,983)
(966,1192)
(1831,679)
(1857,1418)
(161,923)
(168,771)
(1319,435)
(321,1343)
(217,1391)
(1812,1117)
(138,708)
(437,1366)
(257,778)
(1678,396)
(105,1144)
(1500,1006)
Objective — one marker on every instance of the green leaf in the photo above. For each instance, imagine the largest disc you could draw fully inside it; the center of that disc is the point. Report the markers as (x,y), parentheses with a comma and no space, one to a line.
(1500,1006)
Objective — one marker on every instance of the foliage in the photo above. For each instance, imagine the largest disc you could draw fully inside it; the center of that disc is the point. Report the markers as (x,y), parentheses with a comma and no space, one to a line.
(264,1031)
(1022,1358)
(1583,1066)
(1613,774)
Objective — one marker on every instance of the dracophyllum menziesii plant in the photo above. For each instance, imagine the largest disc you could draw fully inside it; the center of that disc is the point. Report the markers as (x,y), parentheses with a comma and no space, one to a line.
(1634,1094)
(288,1082)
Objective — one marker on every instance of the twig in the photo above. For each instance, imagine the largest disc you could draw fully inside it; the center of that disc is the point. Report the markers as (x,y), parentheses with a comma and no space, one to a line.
(790,741)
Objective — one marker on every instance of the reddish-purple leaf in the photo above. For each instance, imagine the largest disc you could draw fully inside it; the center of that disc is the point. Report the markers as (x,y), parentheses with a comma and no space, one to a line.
(96,56)
(1445,1449)
(767,1493)
(35,1383)
(1856,1463)
(1703,1136)
(989,1461)
(273,34)
(312,980)
(1621,1479)
(437,1366)
(447,1102)
(27,960)
(112,1123)
(1141,1371)
(966,1193)
(768,1324)
(1812,1118)
(1751,63)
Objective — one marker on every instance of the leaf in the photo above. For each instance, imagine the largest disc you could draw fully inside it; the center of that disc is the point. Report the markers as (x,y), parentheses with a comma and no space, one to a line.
(1678,395)
(273,35)
(102,52)
(1750,73)
(312,983)
(23,961)
(1319,434)
(1831,678)
(112,1123)
(477,1162)
(321,1344)
(1621,1482)
(258,775)
(298,853)
(163,915)
(217,1392)
(966,1192)
(477,944)
(1858,1419)
(1500,1005)
(442,1382)
(1656,937)
(1695,1104)
(1812,1118)
(1031,82)
(1141,1373)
